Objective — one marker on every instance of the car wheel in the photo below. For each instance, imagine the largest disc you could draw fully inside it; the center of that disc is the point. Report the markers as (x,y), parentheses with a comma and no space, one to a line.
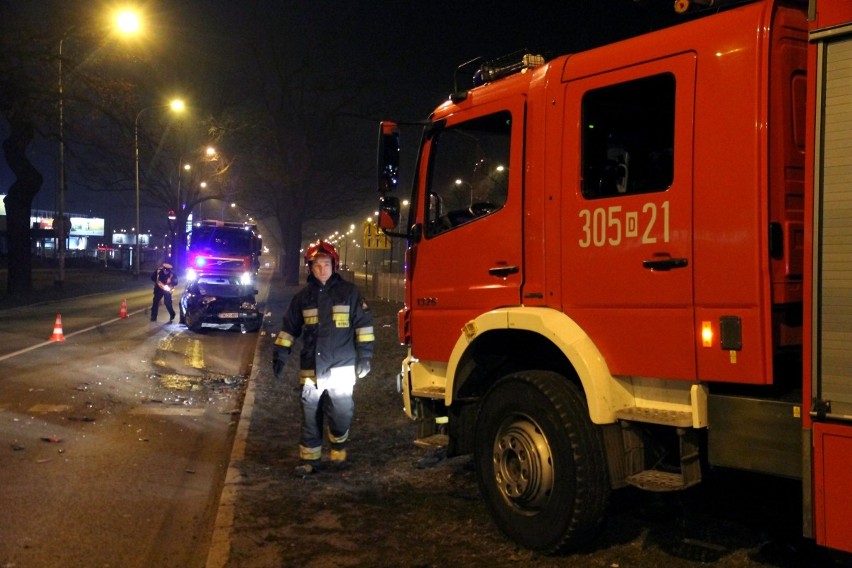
(193,320)
(540,462)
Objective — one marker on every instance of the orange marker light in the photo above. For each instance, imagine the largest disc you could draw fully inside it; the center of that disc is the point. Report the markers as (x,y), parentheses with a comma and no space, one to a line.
(706,334)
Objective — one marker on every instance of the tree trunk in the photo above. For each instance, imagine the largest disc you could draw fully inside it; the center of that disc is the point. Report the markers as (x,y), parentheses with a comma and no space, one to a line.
(19,201)
(291,237)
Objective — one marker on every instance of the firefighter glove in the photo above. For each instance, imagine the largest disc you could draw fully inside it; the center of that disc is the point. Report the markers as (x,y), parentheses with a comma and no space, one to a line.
(362,367)
(278,368)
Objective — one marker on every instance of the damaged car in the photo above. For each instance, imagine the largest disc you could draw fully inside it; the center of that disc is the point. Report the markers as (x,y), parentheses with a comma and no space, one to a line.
(220,302)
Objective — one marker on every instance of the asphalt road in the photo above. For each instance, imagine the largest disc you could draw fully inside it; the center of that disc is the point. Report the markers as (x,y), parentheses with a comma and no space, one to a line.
(114,443)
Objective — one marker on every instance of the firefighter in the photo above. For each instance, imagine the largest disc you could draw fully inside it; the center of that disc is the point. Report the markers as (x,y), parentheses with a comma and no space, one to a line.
(164,282)
(336,329)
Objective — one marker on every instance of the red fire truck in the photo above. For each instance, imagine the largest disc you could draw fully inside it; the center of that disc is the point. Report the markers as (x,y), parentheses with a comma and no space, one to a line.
(221,277)
(630,264)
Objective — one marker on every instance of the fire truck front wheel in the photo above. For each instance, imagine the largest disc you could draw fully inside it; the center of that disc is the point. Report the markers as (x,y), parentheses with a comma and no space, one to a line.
(540,462)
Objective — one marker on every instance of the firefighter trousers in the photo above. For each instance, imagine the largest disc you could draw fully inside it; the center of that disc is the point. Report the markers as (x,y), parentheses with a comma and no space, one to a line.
(327,407)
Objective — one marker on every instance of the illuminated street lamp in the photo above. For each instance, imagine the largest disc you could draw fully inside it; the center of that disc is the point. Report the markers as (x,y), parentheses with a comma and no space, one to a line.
(127,22)
(176,105)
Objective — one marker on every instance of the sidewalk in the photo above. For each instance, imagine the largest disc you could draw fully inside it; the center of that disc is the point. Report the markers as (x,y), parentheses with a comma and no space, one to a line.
(252,427)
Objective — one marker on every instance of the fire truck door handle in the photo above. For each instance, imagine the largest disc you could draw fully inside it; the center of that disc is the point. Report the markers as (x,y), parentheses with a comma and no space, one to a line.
(503,271)
(665,263)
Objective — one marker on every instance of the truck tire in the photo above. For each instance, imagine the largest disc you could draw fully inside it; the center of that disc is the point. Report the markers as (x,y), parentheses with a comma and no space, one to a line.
(540,462)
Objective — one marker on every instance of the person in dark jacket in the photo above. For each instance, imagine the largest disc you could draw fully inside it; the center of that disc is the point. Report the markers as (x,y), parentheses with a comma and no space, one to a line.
(336,329)
(164,282)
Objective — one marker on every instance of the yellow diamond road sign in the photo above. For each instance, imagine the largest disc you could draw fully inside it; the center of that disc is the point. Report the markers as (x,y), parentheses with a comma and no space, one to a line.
(374,237)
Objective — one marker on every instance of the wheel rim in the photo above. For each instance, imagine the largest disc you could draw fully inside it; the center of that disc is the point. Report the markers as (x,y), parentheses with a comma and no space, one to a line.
(523,464)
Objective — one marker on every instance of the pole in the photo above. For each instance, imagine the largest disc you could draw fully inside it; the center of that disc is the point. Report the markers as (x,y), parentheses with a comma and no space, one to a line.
(176,236)
(60,241)
(136,151)
(180,167)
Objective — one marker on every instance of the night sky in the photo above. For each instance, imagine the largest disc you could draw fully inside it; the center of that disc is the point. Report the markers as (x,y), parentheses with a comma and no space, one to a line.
(403,52)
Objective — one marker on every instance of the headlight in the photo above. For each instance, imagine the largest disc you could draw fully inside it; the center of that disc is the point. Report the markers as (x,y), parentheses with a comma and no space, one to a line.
(248,306)
(245,278)
(191,274)
(208,299)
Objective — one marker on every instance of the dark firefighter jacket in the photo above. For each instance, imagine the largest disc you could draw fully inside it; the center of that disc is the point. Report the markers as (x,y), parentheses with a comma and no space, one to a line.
(336,323)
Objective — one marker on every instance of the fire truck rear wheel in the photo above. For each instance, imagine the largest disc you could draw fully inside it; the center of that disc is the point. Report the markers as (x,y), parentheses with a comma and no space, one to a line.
(540,462)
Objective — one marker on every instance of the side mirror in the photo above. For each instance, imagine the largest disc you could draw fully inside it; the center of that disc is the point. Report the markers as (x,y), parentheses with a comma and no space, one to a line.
(389,211)
(388,157)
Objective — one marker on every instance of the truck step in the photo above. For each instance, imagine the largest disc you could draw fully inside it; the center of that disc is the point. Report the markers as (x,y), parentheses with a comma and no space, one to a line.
(429,392)
(660,481)
(660,416)
(433,442)
(686,474)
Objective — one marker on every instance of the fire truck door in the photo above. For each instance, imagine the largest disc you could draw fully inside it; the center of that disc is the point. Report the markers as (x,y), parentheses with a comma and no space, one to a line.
(627,213)
(468,260)
(831,392)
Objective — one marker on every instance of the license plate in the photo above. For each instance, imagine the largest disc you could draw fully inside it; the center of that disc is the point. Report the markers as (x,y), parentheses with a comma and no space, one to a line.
(229,315)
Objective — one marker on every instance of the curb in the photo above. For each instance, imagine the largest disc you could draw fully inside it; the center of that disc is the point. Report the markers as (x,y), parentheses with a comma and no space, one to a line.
(220,543)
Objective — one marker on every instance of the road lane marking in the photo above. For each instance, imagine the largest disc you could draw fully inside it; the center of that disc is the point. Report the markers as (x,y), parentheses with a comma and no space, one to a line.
(66,335)
(45,408)
(167,411)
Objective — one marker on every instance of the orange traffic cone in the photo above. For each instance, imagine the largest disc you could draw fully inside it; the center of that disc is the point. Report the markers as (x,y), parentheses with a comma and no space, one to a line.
(123,312)
(57,330)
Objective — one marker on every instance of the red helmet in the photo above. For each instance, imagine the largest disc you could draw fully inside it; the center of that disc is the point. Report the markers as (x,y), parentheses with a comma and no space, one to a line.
(320,248)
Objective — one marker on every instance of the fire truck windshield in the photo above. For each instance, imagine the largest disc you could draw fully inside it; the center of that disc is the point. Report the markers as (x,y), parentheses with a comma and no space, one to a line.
(208,239)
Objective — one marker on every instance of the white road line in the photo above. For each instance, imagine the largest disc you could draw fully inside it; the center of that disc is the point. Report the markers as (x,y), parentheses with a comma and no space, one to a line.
(167,411)
(48,342)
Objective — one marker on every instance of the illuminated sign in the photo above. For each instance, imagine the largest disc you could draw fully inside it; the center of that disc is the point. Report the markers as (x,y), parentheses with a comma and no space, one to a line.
(130,239)
(80,226)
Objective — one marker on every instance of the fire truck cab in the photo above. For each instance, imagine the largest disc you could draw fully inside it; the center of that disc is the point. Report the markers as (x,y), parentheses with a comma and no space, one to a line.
(609,275)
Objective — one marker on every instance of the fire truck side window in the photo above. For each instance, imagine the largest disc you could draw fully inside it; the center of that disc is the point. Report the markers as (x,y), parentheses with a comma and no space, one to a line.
(628,137)
(469,172)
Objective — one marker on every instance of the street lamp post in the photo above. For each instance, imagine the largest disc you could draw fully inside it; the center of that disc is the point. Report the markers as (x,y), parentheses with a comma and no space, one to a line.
(136,227)
(127,23)
(177,106)
(59,222)
(180,222)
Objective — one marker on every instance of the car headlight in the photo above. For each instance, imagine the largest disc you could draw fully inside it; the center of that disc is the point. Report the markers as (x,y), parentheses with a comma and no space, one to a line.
(248,306)
(208,300)
(191,274)
(245,278)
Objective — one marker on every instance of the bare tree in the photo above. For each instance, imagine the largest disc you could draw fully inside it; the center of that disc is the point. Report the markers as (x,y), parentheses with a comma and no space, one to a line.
(37,78)
(302,154)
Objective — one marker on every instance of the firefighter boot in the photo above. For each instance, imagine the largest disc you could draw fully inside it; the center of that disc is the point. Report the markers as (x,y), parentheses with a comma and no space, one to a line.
(306,468)
(338,459)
